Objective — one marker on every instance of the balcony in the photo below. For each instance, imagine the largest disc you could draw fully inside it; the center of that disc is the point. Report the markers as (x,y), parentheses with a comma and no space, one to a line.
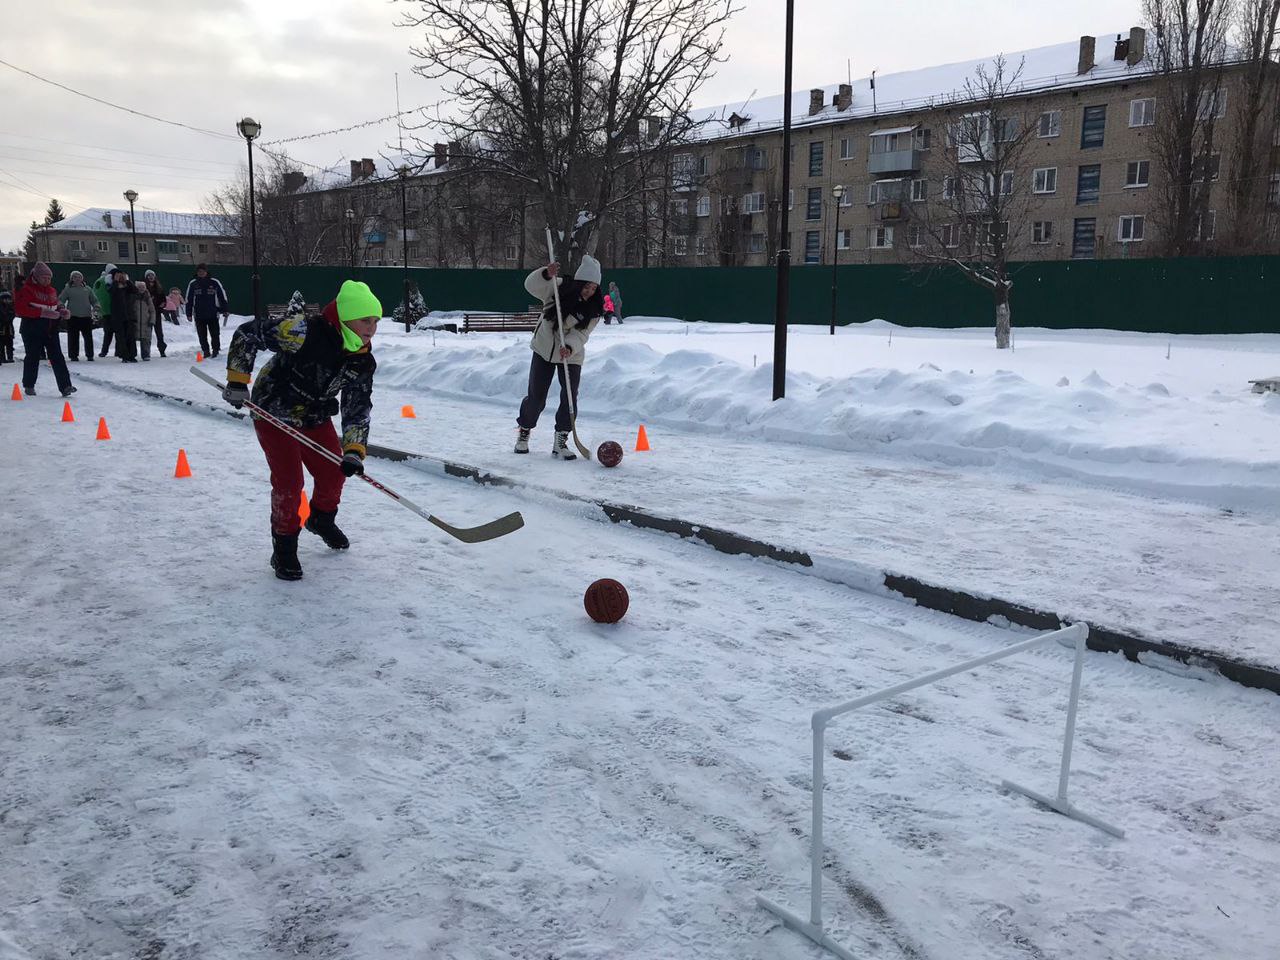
(893,161)
(893,210)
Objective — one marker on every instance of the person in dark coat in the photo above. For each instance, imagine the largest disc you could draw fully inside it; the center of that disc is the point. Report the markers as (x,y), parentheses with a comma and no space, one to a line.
(6,326)
(318,359)
(123,294)
(205,300)
(158,297)
(38,310)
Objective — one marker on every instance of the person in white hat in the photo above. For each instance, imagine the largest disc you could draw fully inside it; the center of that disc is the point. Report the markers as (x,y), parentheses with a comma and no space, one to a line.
(582,306)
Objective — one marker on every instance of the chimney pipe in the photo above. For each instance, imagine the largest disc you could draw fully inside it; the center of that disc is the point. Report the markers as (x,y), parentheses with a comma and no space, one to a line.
(1137,46)
(441,153)
(816,98)
(1085,63)
(355,170)
(844,99)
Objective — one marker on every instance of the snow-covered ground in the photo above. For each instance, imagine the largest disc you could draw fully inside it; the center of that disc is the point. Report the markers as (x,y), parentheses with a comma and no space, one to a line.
(426,749)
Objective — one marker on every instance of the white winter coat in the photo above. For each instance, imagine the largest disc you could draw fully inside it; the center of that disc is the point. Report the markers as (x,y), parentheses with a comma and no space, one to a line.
(545,343)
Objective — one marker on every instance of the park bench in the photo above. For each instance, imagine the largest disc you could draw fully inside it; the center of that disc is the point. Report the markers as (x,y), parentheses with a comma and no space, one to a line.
(500,322)
(276,311)
(1266,385)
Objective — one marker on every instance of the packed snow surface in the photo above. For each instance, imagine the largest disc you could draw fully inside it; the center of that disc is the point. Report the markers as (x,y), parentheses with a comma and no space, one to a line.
(425,748)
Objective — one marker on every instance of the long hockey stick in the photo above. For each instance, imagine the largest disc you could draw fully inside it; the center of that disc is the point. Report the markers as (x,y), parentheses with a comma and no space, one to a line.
(486,531)
(564,361)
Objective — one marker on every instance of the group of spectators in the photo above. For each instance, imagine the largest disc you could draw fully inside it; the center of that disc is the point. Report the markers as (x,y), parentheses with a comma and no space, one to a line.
(129,311)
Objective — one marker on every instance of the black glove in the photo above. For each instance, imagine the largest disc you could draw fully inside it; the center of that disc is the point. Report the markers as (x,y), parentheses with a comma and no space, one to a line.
(352,464)
(236,394)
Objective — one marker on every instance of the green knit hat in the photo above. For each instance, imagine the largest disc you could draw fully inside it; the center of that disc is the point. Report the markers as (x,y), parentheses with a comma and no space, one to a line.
(355,302)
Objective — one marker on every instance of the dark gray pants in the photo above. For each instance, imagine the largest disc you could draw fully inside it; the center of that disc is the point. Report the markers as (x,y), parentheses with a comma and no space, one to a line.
(79,328)
(40,339)
(540,374)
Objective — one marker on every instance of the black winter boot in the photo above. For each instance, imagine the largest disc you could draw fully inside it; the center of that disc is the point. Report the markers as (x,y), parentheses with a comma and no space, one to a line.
(321,524)
(284,556)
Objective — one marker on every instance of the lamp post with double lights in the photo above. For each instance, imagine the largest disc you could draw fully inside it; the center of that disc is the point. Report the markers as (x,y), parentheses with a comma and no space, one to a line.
(250,129)
(838,192)
(132,196)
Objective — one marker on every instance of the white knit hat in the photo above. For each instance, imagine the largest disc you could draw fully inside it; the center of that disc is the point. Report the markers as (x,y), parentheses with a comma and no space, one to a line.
(588,270)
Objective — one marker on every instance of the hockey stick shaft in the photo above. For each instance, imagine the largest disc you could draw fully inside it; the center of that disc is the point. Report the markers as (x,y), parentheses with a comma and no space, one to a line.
(488,531)
(564,360)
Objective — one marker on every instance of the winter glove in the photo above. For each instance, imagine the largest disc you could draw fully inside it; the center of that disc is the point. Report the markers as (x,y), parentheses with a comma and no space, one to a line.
(236,394)
(352,464)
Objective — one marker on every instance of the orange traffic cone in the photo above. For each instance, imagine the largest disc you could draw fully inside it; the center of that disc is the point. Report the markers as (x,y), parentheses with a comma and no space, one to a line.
(17,392)
(67,415)
(304,508)
(103,432)
(642,439)
(199,357)
(183,469)
(407,412)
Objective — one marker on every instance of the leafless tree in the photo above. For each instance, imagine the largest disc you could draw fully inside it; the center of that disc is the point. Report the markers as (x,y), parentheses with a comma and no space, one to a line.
(565,96)
(1257,122)
(981,219)
(1187,40)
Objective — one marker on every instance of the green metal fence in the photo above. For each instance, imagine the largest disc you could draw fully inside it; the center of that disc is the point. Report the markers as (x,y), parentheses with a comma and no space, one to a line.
(1193,295)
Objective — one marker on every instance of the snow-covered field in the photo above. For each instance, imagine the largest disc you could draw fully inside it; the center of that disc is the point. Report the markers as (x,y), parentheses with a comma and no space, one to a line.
(425,748)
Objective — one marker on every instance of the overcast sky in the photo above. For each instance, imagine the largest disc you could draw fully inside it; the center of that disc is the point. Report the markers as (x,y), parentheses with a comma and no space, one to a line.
(301,66)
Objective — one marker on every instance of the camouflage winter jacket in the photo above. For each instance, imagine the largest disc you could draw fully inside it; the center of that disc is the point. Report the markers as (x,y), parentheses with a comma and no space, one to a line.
(301,384)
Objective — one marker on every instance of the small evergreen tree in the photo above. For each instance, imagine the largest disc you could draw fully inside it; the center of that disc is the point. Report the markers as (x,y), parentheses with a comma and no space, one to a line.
(54,213)
(417,307)
(297,303)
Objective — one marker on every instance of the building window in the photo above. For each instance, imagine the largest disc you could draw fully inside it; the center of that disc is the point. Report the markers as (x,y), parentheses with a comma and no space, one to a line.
(1006,183)
(1050,124)
(704,206)
(815,158)
(1084,242)
(881,191)
(880,237)
(951,235)
(682,171)
(1044,180)
(680,246)
(511,251)
(755,158)
(701,246)
(703,163)
(813,206)
(411,251)
(843,239)
(1006,129)
(791,198)
(915,236)
(726,206)
(122,249)
(680,208)
(1142,113)
(995,231)
(103,246)
(204,248)
(753,203)
(755,244)
(142,246)
(1213,104)
(1137,173)
(846,148)
(1042,231)
(846,198)
(1093,127)
(884,143)
(919,191)
(1089,183)
(1273,190)
(1131,229)
(75,244)
(948,188)
(922,138)
(812,247)
(1205,228)
(184,248)
(1202,166)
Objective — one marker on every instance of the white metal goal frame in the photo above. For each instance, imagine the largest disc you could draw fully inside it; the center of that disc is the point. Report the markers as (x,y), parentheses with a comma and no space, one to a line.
(813,928)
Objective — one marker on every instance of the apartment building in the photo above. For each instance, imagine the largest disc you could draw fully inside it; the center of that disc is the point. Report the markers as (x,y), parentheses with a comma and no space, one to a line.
(101,235)
(888,142)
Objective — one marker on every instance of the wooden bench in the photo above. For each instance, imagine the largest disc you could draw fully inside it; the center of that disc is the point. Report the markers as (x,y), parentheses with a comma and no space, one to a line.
(1266,385)
(500,322)
(276,311)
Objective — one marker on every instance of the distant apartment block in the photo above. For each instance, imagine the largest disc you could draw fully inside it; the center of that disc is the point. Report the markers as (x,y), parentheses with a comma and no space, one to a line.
(101,236)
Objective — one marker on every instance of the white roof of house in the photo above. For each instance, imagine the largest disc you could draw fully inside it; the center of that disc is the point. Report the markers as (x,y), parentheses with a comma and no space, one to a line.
(1042,69)
(154,223)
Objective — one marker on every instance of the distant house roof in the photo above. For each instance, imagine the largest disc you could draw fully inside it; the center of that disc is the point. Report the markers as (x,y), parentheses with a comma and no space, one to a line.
(154,223)
(1043,69)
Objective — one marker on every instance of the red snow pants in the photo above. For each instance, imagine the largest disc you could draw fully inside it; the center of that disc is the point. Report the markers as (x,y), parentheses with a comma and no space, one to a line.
(286,457)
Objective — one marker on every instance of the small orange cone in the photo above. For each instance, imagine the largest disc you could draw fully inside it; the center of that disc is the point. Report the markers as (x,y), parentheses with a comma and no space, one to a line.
(199,357)
(67,415)
(103,432)
(183,469)
(304,508)
(17,392)
(642,439)
(407,412)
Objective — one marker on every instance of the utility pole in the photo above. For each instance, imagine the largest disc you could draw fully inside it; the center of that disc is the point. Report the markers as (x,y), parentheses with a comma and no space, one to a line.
(784,252)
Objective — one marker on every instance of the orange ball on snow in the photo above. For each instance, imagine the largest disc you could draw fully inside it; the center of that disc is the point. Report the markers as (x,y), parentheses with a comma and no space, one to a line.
(606,601)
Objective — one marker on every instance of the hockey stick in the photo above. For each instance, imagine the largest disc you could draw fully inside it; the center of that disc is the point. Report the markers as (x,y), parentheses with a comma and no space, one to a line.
(564,361)
(486,531)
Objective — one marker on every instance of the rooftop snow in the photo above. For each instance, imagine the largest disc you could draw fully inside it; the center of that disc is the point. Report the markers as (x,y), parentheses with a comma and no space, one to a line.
(156,223)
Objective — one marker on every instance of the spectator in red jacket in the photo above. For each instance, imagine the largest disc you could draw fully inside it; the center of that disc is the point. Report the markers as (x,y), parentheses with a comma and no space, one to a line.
(37,307)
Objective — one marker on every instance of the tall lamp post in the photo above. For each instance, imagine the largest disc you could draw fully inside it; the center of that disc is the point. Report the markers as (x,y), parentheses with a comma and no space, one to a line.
(784,253)
(351,236)
(404,240)
(838,192)
(250,129)
(132,196)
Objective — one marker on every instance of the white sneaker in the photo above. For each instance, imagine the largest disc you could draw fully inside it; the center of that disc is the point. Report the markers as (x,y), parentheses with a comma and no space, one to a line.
(561,448)
(522,441)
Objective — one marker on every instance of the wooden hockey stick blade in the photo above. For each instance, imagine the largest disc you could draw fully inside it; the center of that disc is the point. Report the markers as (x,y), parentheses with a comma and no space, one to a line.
(486,531)
(586,454)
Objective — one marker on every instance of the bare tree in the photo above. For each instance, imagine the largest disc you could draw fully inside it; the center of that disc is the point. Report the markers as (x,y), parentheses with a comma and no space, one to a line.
(980,221)
(1257,121)
(291,231)
(1188,54)
(558,93)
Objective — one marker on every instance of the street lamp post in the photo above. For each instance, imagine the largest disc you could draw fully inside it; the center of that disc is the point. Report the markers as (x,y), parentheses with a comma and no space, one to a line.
(250,129)
(784,252)
(132,196)
(351,236)
(838,192)
(404,240)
